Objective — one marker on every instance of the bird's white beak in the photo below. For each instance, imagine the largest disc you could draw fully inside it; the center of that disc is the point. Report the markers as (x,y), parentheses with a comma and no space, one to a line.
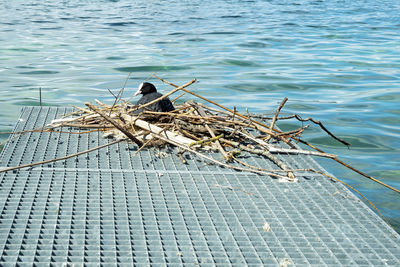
(139,90)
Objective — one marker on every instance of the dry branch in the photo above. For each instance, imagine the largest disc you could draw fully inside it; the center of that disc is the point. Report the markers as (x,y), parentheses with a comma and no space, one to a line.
(323,128)
(115,123)
(57,159)
(271,127)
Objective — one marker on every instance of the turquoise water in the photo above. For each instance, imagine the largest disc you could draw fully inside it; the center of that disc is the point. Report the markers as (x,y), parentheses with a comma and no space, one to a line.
(337,61)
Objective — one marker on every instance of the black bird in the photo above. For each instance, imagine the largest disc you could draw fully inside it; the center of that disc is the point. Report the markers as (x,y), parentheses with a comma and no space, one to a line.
(150,93)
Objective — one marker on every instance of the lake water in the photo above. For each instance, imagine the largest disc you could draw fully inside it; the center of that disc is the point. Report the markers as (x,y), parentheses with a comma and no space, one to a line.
(336,60)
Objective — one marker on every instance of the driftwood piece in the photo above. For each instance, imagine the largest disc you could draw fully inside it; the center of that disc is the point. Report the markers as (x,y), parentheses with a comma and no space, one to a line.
(154,129)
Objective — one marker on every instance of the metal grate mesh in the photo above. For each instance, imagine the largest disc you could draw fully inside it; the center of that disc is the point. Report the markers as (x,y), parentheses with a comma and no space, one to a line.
(109,208)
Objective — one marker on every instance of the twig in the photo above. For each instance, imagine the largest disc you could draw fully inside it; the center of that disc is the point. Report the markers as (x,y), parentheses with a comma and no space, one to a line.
(181,157)
(145,144)
(62,158)
(120,93)
(176,98)
(273,149)
(77,125)
(323,128)
(271,127)
(186,133)
(116,97)
(251,166)
(81,109)
(294,132)
(208,140)
(233,120)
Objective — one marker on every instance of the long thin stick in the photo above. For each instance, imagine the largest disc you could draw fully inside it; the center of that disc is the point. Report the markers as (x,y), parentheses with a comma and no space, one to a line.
(62,158)
(145,144)
(355,190)
(77,125)
(323,128)
(295,132)
(300,151)
(176,98)
(350,167)
(115,123)
(266,153)
(277,150)
(120,93)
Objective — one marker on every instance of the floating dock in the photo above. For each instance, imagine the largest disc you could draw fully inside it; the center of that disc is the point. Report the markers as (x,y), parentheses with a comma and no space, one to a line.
(109,208)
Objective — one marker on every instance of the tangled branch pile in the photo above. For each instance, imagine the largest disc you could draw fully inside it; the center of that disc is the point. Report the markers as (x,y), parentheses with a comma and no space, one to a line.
(195,127)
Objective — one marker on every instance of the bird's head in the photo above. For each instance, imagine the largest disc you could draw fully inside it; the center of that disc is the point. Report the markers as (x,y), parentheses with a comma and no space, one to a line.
(145,88)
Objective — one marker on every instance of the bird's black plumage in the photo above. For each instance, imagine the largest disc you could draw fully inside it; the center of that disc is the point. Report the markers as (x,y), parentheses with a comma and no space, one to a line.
(150,93)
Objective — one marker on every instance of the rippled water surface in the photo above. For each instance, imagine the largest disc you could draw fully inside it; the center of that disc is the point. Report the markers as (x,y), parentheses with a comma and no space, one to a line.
(337,61)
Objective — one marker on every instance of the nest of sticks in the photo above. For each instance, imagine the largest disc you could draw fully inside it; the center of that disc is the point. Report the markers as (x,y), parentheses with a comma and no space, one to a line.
(197,128)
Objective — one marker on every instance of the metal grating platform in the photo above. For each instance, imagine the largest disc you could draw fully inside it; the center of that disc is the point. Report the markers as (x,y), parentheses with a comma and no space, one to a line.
(109,208)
